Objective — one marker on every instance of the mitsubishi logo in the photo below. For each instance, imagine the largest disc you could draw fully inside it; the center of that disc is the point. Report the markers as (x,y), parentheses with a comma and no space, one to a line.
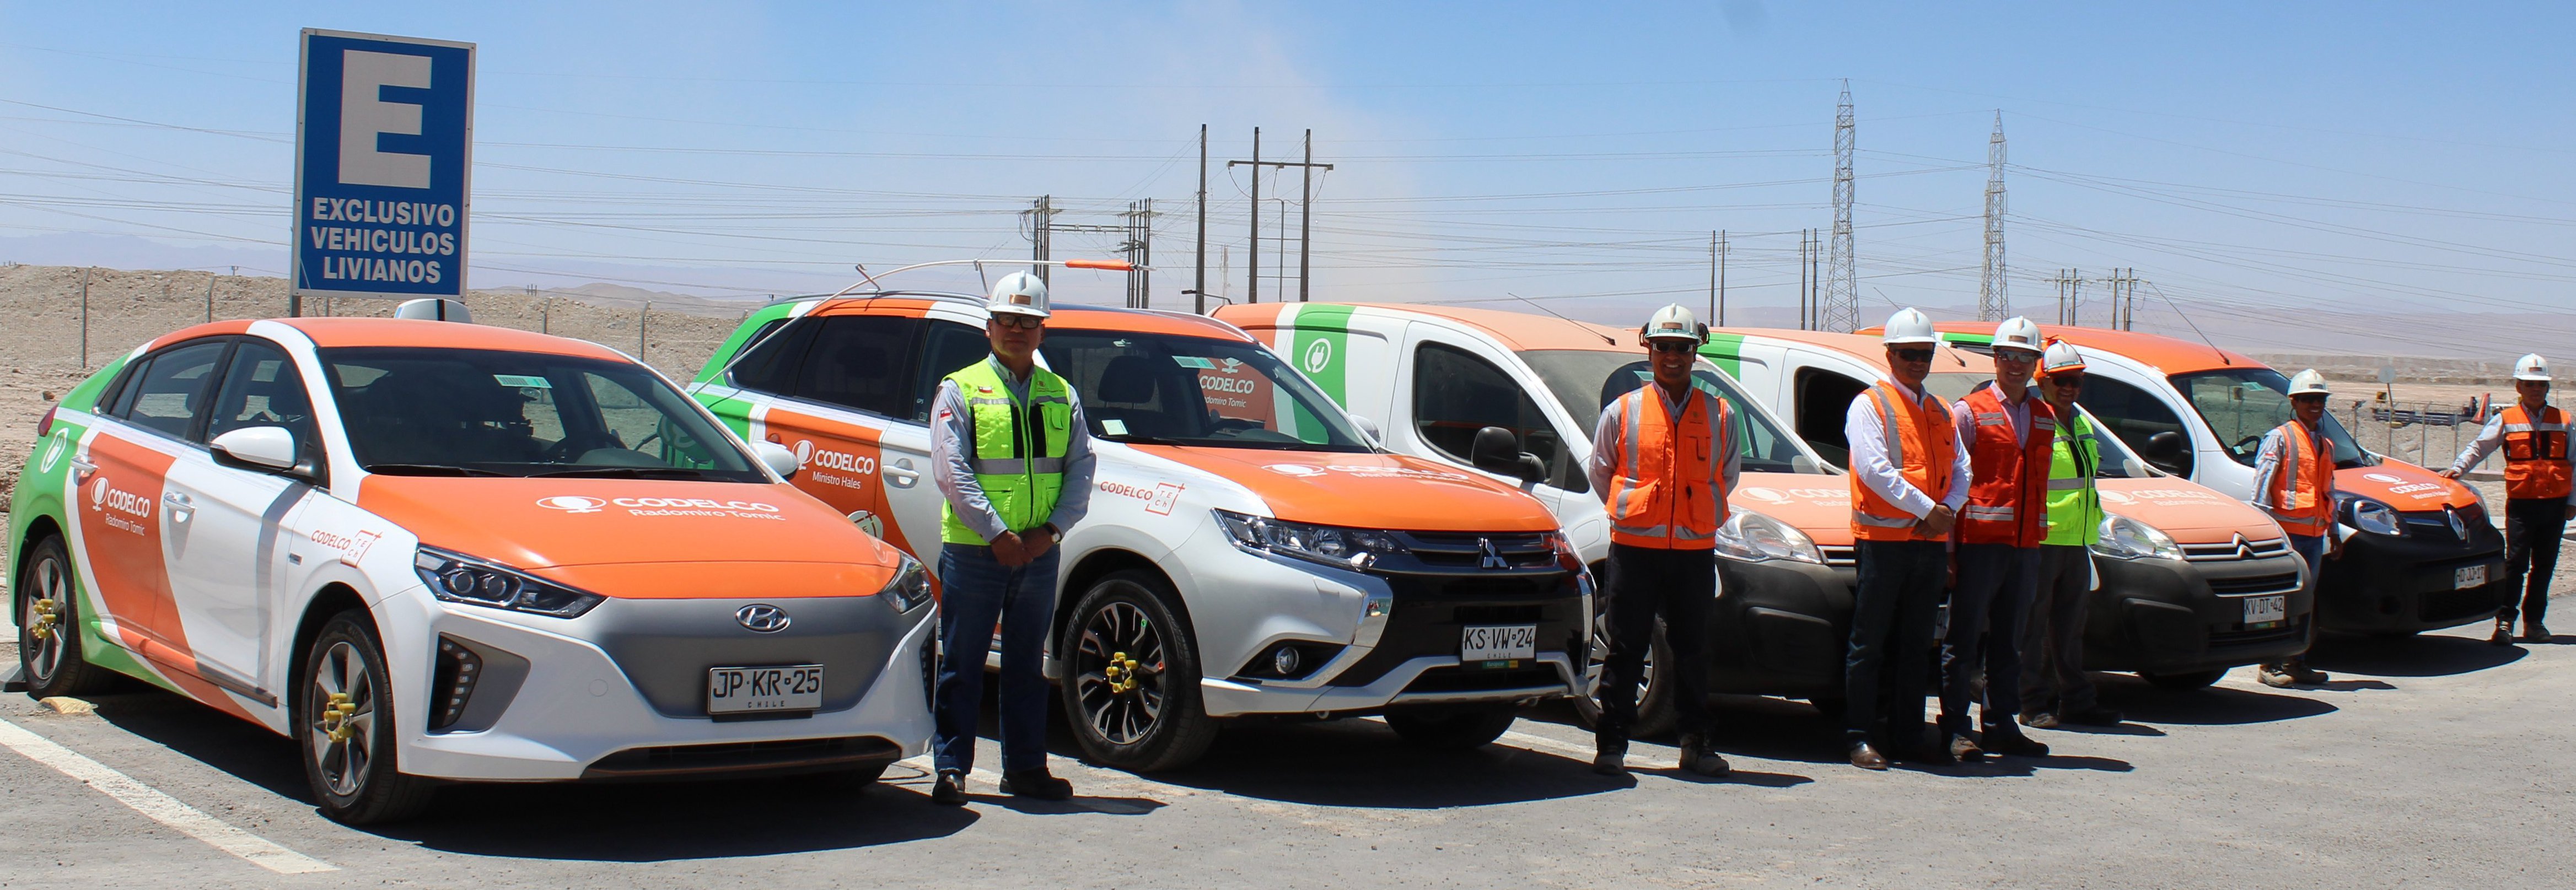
(762,618)
(1493,559)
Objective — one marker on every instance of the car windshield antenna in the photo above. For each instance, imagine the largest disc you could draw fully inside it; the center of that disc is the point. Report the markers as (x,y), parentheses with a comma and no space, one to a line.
(1605,338)
(2186,319)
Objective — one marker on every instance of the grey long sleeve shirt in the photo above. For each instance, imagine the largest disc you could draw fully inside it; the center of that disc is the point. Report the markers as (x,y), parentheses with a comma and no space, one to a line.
(952,433)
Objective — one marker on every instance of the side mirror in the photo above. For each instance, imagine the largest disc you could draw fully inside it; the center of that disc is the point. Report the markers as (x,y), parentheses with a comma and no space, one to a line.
(268,449)
(775,456)
(1496,450)
(2166,446)
(1369,427)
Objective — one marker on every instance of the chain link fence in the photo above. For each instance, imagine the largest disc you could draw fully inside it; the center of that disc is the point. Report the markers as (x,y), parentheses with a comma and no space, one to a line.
(2426,434)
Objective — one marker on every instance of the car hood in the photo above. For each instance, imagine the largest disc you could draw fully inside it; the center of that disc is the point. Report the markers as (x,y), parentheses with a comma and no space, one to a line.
(641,538)
(2188,511)
(2404,486)
(1815,503)
(1390,491)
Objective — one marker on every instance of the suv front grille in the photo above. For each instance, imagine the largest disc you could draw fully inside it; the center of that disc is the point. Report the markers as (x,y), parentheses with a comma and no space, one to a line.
(1450,551)
(2286,582)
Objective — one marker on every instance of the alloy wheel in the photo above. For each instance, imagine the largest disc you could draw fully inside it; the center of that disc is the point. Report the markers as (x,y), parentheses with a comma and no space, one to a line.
(1119,668)
(342,707)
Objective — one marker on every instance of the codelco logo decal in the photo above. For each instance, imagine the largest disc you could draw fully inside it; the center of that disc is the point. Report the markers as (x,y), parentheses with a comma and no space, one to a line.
(1780,496)
(818,459)
(1158,499)
(352,547)
(1366,471)
(664,506)
(2382,477)
(109,500)
(572,503)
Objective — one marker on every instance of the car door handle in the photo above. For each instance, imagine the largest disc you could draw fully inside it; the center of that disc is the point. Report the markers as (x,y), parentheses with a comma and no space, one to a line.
(180,507)
(901,474)
(81,469)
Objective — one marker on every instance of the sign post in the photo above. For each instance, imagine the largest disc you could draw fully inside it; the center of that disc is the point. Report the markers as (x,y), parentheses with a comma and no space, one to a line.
(384,154)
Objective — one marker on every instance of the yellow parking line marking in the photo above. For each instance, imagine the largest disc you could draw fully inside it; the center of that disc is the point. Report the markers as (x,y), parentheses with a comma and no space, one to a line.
(159,807)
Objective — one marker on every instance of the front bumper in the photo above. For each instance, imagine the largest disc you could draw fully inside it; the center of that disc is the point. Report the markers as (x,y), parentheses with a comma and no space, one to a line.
(1403,646)
(2168,616)
(1780,628)
(2406,583)
(618,693)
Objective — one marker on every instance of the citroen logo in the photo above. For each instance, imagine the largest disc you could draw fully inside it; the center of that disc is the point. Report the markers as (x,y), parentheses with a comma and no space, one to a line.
(2243,549)
(762,618)
(1493,559)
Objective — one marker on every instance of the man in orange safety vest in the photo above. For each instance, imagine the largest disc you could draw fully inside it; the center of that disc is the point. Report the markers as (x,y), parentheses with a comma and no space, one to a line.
(2294,482)
(2539,482)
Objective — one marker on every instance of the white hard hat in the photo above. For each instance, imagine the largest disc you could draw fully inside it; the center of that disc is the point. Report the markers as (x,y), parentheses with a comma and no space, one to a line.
(1673,321)
(2017,332)
(1019,293)
(2308,383)
(1908,326)
(2061,358)
(2531,367)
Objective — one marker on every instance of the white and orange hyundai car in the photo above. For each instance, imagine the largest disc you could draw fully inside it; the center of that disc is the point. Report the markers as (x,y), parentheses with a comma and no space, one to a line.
(427,550)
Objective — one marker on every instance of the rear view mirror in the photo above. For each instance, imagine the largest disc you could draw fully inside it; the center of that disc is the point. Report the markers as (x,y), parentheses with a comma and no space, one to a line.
(1496,450)
(775,456)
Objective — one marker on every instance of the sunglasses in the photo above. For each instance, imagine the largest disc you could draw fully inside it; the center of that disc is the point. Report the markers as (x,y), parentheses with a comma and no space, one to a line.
(2014,356)
(1016,320)
(2066,380)
(1913,355)
(1671,346)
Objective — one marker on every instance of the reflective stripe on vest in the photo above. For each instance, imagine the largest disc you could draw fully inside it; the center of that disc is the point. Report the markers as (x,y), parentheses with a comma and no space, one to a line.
(2074,506)
(2535,454)
(1018,452)
(2302,489)
(1667,491)
(1924,459)
(2007,473)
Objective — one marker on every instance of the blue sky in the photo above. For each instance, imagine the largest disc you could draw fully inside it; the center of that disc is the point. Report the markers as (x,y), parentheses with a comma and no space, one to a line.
(2244,158)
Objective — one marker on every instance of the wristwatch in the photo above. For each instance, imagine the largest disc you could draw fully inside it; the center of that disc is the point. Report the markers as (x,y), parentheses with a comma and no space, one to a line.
(1053,532)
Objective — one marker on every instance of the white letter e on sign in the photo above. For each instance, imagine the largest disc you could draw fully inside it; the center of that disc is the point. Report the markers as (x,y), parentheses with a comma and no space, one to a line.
(364,114)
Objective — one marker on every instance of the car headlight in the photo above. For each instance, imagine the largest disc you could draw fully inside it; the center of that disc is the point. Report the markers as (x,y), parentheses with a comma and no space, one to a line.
(1753,537)
(457,578)
(2372,516)
(910,587)
(2126,538)
(1340,547)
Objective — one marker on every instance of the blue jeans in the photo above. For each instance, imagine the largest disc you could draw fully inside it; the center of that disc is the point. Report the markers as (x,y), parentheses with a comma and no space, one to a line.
(976,591)
(2311,548)
(1996,583)
(1886,667)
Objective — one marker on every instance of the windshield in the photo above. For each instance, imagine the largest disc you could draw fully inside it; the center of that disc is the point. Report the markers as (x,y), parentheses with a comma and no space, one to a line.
(2241,404)
(1586,380)
(1172,390)
(477,412)
(1952,386)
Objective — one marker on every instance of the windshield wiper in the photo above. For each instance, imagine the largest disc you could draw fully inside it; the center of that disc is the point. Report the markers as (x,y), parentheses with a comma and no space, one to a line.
(428,470)
(623,472)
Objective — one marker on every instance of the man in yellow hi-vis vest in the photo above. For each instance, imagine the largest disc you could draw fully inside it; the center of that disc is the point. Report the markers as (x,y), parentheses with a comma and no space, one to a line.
(1013,461)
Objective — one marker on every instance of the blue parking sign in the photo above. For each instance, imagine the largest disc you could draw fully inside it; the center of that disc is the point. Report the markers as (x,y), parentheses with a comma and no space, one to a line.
(384,152)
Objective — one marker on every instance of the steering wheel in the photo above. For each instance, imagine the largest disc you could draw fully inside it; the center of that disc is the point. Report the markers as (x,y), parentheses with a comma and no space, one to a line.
(1237,424)
(565,449)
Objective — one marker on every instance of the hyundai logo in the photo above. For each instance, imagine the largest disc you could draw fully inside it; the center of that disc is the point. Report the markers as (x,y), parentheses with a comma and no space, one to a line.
(1493,559)
(762,618)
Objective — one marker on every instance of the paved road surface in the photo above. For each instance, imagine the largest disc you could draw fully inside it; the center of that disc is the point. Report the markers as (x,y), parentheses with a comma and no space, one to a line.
(2433,761)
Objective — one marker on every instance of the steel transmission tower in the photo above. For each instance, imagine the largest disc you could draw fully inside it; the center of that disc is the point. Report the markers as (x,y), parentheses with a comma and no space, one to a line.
(1992,303)
(1841,302)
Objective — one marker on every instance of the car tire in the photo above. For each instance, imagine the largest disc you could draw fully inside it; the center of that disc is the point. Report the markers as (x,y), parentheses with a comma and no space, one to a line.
(1455,727)
(2184,682)
(350,758)
(48,606)
(1655,714)
(1131,676)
